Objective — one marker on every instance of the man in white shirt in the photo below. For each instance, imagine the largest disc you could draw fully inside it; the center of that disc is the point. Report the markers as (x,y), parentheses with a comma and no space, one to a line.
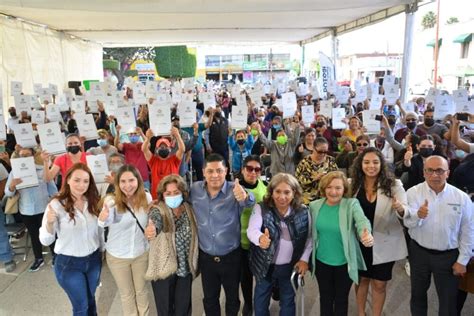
(439,221)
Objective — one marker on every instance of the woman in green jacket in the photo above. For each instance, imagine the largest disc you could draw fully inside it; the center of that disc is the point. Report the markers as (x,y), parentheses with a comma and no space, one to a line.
(338,225)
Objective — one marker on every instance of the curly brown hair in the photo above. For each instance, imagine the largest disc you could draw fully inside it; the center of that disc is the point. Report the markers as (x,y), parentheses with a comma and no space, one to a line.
(66,199)
(385,178)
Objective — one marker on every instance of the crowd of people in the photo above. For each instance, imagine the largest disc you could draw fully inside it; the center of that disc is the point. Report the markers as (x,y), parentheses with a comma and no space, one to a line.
(251,206)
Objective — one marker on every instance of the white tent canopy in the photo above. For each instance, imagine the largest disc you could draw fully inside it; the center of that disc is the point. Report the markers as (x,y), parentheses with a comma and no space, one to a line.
(145,22)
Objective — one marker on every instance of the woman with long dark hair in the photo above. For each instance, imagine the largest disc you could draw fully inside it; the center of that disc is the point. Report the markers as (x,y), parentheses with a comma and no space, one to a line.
(71,217)
(126,215)
(383,201)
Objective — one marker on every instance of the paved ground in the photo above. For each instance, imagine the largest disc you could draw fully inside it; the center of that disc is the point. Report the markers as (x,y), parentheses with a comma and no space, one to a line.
(25,293)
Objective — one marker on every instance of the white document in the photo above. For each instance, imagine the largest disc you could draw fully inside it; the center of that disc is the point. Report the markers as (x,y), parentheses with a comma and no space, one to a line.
(151,89)
(37,89)
(86,126)
(187,113)
(465,107)
(53,89)
(315,92)
(241,100)
(187,97)
(139,94)
(370,123)
(256,97)
(160,118)
(307,114)
(98,166)
(22,104)
(432,94)
(78,107)
(239,117)
(392,93)
(126,119)
(373,88)
(188,84)
(163,98)
(52,113)
(302,89)
(110,105)
(93,107)
(235,90)
(3,128)
(208,98)
(460,95)
(176,95)
(338,116)
(361,94)
(51,138)
(332,87)
(38,117)
(444,105)
(96,91)
(342,94)
(45,96)
(376,102)
(16,88)
(325,108)
(288,101)
(409,107)
(24,135)
(388,80)
(34,104)
(25,169)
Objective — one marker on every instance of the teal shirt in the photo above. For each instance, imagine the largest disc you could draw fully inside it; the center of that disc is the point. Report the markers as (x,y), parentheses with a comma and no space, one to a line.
(330,249)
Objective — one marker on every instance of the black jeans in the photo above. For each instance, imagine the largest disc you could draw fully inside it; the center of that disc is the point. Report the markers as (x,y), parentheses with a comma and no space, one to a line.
(33,224)
(216,272)
(173,295)
(246,279)
(424,263)
(334,286)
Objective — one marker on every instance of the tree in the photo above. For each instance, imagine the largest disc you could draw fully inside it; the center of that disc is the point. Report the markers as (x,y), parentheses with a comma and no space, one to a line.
(452,20)
(174,62)
(429,20)
(126,56)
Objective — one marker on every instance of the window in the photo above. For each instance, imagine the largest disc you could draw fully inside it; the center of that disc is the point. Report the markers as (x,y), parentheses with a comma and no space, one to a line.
(465,49)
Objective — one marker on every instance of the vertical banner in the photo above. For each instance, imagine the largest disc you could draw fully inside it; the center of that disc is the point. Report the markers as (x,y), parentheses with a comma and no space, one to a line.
(327,73)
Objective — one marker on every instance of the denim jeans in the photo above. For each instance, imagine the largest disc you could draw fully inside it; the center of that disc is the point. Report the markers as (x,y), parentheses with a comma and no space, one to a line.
(6,254)
(277,275)
(79,278)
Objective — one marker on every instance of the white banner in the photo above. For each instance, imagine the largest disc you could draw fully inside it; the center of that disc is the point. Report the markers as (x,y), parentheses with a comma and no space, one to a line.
(327,73)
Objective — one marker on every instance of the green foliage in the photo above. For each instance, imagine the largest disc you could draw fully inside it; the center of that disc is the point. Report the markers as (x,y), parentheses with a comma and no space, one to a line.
(452,20)
(131,73)
(111,64)
(296,66)
(429,20)
(174,62)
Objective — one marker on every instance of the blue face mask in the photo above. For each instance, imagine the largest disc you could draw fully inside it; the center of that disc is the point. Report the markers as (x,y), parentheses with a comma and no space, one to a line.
(174,201)
(460,153)
(134,139)
(276,126)
(102,142)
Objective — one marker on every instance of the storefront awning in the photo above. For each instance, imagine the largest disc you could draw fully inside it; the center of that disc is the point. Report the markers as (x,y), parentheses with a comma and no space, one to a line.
(463,38)
(432,43)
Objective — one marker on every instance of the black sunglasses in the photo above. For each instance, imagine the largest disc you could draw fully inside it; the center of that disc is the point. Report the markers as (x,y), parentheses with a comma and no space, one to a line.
(252,169)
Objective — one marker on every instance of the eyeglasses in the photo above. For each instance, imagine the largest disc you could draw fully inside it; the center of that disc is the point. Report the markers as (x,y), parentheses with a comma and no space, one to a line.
(411,120)
(252,169)
(438,172)
(362,144)
(322,152)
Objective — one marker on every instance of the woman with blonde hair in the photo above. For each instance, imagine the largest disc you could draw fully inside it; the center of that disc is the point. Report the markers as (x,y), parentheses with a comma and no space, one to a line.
(174,251)
(126,215)
(339,225)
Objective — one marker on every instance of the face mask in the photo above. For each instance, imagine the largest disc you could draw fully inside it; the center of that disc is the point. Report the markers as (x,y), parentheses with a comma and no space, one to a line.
(102,142)
(163,152)
(114,167)
(134,139)
(392,121)
(73,149)
(411,125)
(260,118)
(429,121)
(426,152)
(380,139)
(254,132)
(276,126)
(282,139)
(2,149)
(240,141)
(174,201)
(12,114)
(460,153)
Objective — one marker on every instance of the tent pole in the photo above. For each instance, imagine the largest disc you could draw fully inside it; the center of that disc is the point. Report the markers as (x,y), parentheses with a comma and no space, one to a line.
(334,51)
(436,48)
(407,49)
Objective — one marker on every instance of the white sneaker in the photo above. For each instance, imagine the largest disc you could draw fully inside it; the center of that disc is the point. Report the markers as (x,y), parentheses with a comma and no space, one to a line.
(407,268)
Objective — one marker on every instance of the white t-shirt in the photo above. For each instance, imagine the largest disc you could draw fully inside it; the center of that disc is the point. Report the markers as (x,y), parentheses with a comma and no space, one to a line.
(471,148)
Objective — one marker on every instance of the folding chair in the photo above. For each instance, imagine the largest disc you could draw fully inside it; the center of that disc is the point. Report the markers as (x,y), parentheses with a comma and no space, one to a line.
(16,230)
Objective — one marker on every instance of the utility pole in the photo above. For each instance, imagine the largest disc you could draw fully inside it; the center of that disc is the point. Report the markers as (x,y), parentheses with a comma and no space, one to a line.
(436,48)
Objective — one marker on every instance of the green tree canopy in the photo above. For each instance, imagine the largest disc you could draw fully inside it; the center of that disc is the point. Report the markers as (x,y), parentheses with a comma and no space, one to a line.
(175,62)
(126,56)
(429,20)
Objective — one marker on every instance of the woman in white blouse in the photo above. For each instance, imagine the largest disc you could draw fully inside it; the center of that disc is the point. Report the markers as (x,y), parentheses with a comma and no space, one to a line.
(71,216)
(126,215)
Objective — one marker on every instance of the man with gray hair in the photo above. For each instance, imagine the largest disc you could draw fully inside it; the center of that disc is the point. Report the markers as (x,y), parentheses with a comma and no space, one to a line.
(439,221)
(411,122)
